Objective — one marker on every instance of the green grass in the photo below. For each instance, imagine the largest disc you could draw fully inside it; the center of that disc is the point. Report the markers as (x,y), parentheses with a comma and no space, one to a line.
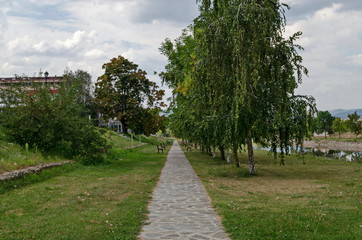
(107,201)
(136,140)
(319,200)
(13,157)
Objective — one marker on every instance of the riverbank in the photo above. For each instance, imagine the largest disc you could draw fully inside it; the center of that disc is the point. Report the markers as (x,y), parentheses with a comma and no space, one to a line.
(334,145)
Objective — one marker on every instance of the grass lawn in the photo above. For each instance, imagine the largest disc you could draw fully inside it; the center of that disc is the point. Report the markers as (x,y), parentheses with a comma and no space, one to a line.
(108,201)
(13,157)
(319,200)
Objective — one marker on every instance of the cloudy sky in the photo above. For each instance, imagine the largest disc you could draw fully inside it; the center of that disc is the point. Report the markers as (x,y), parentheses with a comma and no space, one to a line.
(83,34)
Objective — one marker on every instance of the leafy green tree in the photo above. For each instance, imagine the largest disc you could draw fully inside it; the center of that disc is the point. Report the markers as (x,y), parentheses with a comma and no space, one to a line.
(339,126)
(355,124)
(123,89)
(52,123)
(324,123)
(82,80)
(234,76)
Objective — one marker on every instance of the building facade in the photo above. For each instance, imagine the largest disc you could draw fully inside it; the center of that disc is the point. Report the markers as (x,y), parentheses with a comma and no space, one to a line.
(28,82)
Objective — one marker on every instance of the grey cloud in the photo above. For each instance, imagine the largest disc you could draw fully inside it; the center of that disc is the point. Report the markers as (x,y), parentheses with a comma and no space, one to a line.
(305,8)
(3,20)
(170,10)
(38,11)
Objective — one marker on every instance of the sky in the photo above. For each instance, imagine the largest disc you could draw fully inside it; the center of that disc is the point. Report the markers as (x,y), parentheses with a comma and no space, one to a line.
(53,35)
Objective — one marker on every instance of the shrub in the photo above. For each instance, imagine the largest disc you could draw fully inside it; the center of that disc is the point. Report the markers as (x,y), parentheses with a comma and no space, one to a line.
(53,123)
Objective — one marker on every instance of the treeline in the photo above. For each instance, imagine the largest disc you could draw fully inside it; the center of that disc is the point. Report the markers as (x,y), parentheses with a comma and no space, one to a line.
(234,75)
(326,123)
(66,123)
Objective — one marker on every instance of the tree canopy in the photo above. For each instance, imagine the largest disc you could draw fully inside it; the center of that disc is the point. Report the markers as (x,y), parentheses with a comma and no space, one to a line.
(122,92)
(354,123)
(324,123)
(234,75)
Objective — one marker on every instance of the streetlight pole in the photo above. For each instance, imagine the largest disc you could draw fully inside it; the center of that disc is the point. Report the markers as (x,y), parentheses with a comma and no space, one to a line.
(46,74)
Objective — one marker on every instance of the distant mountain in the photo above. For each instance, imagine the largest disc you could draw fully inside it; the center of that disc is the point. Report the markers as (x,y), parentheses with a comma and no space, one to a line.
(343,113)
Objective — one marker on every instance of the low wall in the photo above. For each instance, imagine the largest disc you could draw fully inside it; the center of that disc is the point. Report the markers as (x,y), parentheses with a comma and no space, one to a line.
(19,173)
(333,145)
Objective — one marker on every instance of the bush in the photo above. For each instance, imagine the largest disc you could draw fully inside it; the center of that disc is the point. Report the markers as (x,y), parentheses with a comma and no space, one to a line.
(53,123)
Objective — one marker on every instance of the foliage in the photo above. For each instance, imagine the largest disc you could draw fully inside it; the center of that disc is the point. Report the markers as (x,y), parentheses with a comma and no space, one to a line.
(324,122)
(354,123)
(121,92)
(82,82)
(339,126)
(234,76)
(51,123)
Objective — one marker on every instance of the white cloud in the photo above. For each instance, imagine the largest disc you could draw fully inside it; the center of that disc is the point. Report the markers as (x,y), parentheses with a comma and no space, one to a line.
(87,33)
(356,60)
(332,41)
(95,53)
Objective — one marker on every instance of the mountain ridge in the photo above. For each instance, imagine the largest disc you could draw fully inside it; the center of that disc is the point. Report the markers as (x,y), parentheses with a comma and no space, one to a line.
(343,113)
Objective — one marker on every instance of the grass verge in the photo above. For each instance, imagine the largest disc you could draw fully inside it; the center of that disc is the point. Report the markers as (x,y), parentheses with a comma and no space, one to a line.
(87,202)
(13,157)
(319,200)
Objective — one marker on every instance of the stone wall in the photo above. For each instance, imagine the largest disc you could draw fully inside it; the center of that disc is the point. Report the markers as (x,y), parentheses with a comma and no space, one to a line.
(19,173)
(333,145)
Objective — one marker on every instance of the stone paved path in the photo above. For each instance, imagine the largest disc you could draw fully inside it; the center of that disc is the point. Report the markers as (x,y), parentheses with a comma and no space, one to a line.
(180,208)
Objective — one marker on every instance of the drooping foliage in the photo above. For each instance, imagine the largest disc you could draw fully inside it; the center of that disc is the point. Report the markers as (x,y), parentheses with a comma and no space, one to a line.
(234,75)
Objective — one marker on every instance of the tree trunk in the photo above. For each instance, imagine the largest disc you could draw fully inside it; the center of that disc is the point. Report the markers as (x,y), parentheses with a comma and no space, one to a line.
(236,157)
(124,127)
(222,153)
(251,155)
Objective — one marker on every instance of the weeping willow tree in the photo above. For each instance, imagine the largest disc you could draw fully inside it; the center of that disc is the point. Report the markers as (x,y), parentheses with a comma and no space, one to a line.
(242,79)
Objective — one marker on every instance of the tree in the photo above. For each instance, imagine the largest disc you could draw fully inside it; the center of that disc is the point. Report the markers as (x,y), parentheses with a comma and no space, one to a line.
(82,82)
(324,123)
(52,123)
(123,89)
(237,75)
(339,126)
(354,123)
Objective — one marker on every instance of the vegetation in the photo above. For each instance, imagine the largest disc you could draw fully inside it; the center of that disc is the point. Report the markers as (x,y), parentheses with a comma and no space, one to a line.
(319,200)
(51,123)
(107,201)
(121,92)
(82,82)
(355,124)
(339,126)
(324,123)
(234,76)
(13,156)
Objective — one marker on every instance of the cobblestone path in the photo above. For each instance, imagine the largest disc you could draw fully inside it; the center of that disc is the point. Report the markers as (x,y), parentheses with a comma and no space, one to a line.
(180,208)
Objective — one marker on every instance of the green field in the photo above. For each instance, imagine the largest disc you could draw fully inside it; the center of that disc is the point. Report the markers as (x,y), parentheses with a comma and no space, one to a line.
(107,201)
(319,200)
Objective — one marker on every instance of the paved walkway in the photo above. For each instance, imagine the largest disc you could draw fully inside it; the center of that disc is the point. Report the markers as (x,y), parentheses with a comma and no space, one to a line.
(180,208)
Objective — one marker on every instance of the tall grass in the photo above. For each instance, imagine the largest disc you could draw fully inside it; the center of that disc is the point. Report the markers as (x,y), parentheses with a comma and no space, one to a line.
(13,156)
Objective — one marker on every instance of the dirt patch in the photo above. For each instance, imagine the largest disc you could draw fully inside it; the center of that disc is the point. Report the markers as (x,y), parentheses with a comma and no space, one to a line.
(333,145)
